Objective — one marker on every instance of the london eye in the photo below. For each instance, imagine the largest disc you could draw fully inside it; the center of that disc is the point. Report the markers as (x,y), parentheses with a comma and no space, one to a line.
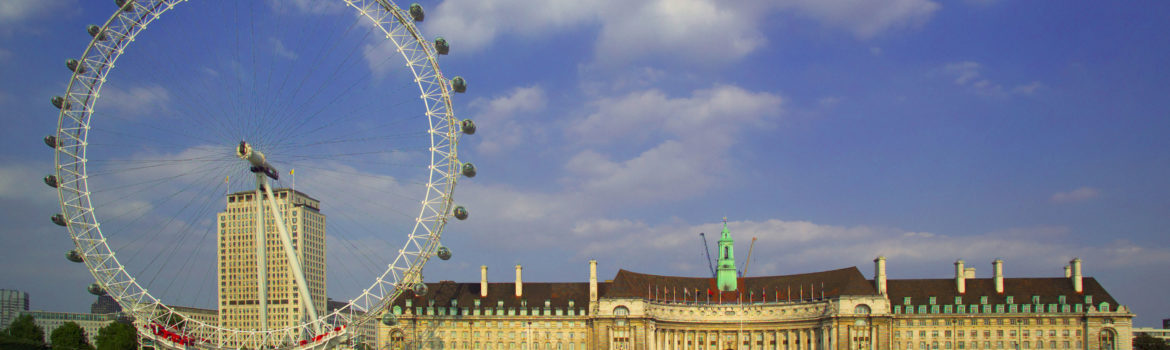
(177,152)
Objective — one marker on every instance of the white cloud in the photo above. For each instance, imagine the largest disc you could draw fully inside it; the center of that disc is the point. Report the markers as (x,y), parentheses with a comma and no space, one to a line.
(280,50)
(705,31)
(1027,89)
(307,6)
(13,11)
(692,136)
(688,30)
(970,75)
(506,117)
(1077,195)
(24,182)
(136,101)
(864,18)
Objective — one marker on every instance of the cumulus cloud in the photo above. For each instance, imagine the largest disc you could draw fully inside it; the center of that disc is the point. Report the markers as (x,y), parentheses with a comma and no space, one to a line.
(863,18)
(1077,195)
(14,11)
(690,136)
(20,182)
(970,75)
(506,116)
(136,101)
(690,30)
(280,50)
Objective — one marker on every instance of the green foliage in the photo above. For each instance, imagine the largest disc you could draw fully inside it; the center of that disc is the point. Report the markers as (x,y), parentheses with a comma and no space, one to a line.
(1146,342)
(69,336)
(117,336)
(25,329)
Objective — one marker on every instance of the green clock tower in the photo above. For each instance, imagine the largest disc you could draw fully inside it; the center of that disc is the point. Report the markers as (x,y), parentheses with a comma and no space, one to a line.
(725,277)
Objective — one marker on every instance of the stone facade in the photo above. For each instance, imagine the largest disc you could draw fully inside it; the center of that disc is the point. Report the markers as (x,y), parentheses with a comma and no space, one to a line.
(837,309)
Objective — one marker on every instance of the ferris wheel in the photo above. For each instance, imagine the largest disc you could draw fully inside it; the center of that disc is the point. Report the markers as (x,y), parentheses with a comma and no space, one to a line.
(181,183)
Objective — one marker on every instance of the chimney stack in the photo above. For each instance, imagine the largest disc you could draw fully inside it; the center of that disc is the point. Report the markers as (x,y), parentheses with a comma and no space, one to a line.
(1076,275)
(1067,271)
(998,266)
(593,281)
(960,277)
(519,283)
(879,275)
(483,281)
(969,273)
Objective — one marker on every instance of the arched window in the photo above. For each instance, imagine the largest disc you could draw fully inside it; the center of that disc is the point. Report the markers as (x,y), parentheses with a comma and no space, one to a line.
(621,312)
(727,252)
(1107,339)
(861,309)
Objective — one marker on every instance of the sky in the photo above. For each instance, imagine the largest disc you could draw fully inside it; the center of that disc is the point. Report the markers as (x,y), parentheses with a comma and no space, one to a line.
(834,131)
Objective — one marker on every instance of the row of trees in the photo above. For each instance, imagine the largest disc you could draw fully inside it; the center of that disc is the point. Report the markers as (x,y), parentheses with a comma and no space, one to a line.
(25,334)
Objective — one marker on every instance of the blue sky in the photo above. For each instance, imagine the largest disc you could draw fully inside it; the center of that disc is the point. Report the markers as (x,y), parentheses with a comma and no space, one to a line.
(834,131)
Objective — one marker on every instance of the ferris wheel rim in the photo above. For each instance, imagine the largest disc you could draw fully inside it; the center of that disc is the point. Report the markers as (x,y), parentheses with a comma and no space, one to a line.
(83,225)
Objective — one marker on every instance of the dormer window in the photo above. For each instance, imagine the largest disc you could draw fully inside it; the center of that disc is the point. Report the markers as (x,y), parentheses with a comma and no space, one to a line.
(983,300)
(906,301)
(1011,300)
(932,301)
(958,300)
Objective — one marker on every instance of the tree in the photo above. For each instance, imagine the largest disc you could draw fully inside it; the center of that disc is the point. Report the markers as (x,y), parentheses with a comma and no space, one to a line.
(69,336)
(117,336)
(24,328)
(1146,342)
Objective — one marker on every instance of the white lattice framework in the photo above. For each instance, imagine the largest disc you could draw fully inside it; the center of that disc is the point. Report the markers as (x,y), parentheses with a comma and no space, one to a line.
(84,228)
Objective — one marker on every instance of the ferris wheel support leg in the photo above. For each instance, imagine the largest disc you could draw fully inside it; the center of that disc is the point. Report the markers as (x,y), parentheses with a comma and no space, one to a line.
(293,261)
(261,256)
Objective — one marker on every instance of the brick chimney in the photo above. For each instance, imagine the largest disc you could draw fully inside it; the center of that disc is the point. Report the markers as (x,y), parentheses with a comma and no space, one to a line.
(879,275)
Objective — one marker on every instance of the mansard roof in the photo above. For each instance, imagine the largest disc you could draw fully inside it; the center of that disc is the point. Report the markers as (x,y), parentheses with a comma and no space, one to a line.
(534,294)
(834,283)
(1021,289)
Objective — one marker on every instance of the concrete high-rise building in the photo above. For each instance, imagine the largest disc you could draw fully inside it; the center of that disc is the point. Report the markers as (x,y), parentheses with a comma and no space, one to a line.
(239,300)
(12,302)
(105,304)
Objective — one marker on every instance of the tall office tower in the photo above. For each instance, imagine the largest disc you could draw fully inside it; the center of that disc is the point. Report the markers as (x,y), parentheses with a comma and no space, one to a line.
(105,304)
(239,300)
(12,302)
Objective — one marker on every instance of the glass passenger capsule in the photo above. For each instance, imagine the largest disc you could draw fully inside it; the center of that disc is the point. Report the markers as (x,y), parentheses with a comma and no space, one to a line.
(58,219)
(96,32)
(458,84)
(468,170)
(51,180)
(75,66)
(441,46)
(460,212)
(444,253)
(95,289)
(73,256)
(468,126)
(416,12)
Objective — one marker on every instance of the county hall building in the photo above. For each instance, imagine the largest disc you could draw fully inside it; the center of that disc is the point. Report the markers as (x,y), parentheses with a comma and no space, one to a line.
(836,309)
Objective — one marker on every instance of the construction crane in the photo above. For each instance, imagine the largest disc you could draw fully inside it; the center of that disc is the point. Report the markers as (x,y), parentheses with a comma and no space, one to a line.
(749,258)
(707,250)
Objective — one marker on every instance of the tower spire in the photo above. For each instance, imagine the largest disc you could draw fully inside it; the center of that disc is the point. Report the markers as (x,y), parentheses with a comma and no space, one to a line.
(725,278)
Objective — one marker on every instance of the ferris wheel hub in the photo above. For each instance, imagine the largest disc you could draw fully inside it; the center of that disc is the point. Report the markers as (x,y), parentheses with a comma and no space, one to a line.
(257,160)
